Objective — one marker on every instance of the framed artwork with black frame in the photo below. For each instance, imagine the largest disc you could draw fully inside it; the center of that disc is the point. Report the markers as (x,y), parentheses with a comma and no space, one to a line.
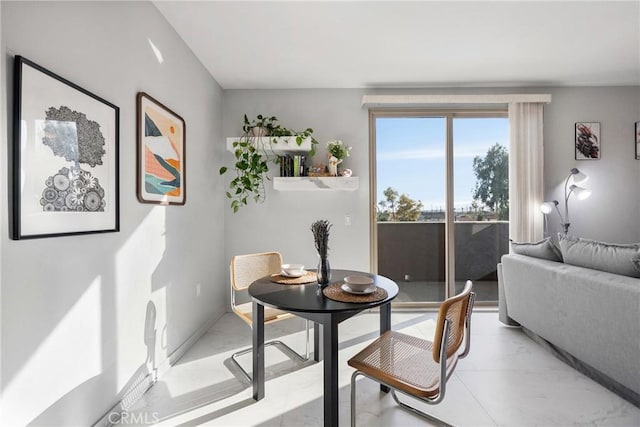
(587,141)
(161,140)
(65,168)
(637,140)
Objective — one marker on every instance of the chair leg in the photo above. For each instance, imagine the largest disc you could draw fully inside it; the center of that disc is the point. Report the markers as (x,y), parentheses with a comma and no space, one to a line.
(234,356)
(306,345)
(353,397)
(416,411)
(234,359)
(403,405)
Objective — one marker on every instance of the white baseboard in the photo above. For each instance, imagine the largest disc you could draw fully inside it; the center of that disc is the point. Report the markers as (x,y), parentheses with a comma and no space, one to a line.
(145,378)
(189,342)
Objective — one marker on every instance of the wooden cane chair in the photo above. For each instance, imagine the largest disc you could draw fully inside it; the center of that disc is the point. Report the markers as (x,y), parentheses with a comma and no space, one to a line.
(244,270)
(414,366)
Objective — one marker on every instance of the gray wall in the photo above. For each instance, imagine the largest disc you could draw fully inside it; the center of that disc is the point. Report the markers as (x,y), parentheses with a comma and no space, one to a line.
(282,222)
(612,213)
(85,318)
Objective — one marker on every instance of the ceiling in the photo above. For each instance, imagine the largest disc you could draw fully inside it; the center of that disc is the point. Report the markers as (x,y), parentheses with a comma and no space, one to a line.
(363,44)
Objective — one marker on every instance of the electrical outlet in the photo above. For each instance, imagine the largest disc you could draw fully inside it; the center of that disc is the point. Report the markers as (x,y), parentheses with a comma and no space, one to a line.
(347,220)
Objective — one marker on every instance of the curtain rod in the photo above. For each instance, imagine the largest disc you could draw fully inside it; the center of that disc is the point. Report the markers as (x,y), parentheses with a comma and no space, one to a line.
(409,100)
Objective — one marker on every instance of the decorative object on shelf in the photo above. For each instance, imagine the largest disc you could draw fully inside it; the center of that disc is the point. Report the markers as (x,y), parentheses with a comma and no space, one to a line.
(65,157)
(252,158)
(333,166)
(161,140)
(320,230)
(318,169)
(588,141)
(637,140)
(337,152)
(346,173)
(581,193)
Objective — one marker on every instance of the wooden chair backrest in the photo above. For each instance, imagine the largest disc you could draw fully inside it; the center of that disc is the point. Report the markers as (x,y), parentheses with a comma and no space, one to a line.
(456,310)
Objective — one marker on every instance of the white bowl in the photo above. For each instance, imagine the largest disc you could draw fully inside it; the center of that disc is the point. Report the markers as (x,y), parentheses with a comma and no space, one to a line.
(294,270)
(358,283)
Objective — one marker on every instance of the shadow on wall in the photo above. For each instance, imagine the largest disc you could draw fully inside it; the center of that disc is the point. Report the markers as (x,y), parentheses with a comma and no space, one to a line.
(138,384)
(185,273)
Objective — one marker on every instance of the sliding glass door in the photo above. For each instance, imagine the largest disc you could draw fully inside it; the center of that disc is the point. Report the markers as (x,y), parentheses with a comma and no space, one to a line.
(440,201)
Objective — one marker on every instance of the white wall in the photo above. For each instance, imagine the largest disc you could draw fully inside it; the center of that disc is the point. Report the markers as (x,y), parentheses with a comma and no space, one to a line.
(612,213)
(85,318)
(282,222)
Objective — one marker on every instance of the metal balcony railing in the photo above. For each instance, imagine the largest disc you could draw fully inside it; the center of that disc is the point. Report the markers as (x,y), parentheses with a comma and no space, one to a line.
(413,254)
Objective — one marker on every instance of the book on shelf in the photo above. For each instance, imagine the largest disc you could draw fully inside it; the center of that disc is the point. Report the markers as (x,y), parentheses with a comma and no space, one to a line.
(292,165)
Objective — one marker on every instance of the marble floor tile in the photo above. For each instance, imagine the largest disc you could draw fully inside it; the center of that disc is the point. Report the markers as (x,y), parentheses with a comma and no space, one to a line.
(507,380)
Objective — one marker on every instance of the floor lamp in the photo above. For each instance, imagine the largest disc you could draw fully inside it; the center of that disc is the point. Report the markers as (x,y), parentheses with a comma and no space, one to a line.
(581,193)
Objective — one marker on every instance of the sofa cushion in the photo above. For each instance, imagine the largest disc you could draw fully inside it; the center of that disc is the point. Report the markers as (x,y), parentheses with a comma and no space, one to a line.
(544,249)
(614,258)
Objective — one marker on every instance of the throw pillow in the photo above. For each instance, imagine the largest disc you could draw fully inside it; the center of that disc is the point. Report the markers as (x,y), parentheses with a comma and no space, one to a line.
(614,258)
(544,249)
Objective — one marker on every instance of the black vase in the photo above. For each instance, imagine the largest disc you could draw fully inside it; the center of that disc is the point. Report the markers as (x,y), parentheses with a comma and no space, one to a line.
(323,272)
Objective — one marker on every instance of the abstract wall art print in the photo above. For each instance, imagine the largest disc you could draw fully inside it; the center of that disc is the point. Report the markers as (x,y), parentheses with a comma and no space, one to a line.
(65,157)
(588,141)
(161,136)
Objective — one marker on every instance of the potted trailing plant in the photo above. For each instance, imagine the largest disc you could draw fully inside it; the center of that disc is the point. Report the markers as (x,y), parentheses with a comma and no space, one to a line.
(260,126)
(252,159)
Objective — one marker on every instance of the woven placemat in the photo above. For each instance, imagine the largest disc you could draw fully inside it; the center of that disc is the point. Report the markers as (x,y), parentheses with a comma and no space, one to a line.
(308,277)
(336,293)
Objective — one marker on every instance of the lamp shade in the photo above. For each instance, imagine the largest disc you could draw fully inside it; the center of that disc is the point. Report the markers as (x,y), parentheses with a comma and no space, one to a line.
(578,177)
(547,207)
(581,193)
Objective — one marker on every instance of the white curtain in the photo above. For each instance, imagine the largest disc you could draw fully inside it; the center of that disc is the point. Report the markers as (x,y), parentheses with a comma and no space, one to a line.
(526,161)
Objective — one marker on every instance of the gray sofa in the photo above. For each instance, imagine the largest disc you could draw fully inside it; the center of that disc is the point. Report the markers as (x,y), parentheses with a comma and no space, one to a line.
(589,318)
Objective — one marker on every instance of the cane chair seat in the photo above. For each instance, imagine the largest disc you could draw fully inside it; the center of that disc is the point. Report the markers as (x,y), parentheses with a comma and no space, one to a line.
(403,362)
(245,312)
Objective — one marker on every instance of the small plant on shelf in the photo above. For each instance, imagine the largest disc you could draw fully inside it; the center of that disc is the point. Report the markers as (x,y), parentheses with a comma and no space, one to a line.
(252,159)
(338,150)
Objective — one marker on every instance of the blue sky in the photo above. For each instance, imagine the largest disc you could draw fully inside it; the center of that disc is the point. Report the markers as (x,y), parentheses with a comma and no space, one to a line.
(411,156)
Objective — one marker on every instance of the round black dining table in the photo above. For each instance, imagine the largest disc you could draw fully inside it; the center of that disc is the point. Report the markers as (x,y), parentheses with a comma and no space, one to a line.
(309,302)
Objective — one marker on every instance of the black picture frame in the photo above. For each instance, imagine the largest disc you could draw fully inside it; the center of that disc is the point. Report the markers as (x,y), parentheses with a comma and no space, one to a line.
(637,140)
(65,169)
(588,144)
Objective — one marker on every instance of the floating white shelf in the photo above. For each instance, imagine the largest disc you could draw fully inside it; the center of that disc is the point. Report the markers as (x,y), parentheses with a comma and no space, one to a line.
(316,183)
(284,144)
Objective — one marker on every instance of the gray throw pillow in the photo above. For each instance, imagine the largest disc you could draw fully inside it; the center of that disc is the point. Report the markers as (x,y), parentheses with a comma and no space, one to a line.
(614,258)
(544,249)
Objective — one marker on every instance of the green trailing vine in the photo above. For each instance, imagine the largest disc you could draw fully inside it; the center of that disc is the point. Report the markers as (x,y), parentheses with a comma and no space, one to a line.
(252,163)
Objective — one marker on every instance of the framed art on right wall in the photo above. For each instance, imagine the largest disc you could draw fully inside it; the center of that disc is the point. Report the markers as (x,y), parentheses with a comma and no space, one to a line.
(587,141)
(637,140)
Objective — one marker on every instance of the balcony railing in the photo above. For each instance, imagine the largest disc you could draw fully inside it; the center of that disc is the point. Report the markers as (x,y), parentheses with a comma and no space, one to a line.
(413,254)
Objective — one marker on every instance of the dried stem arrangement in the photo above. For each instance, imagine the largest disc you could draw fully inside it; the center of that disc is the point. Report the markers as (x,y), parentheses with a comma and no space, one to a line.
(320,230)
